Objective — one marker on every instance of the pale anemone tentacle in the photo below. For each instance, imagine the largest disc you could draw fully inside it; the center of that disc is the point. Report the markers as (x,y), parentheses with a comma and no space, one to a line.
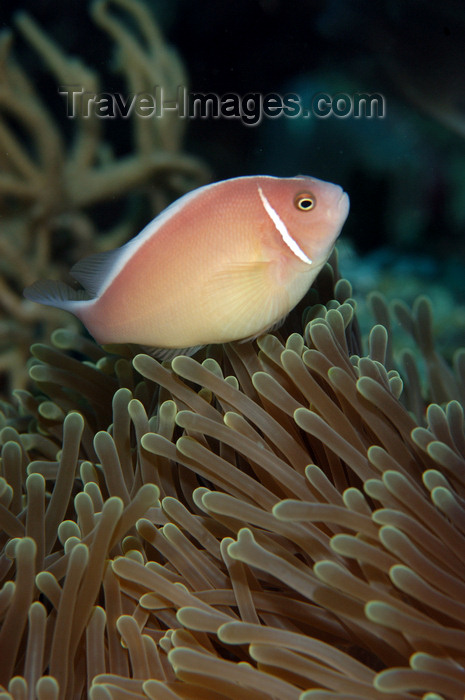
(271,522)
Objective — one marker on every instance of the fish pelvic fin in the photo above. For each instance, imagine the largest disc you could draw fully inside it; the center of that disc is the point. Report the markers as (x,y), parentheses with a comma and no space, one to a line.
(58,294)
(264,331)
(163,354)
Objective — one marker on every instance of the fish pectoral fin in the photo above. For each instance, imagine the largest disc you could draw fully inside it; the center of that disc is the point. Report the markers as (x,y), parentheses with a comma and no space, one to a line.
(53,293)
(244,293)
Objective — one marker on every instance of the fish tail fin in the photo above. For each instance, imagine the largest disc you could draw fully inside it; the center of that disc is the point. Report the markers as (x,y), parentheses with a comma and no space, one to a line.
(59,294)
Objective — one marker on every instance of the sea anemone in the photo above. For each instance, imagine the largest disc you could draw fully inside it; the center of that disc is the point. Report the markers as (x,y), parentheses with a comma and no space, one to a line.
(280,520)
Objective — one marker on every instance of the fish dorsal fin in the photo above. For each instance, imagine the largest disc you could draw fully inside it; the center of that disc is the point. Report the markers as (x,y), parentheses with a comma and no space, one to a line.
(97,272)
(94,271)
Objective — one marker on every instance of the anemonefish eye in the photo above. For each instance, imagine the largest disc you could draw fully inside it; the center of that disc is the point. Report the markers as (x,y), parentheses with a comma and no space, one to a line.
(305,201)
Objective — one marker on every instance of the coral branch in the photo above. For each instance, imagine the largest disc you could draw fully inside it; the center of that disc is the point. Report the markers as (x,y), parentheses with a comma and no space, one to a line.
(51,184)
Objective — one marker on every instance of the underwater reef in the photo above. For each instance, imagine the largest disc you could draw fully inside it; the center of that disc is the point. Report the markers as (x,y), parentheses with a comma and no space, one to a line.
(67,188)
(281,519)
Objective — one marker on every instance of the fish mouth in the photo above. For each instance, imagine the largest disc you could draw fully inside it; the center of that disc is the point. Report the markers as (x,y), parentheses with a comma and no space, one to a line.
(338,208)
(343,204)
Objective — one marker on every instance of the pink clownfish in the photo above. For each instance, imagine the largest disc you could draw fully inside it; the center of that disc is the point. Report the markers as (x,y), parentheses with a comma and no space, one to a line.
(224,262)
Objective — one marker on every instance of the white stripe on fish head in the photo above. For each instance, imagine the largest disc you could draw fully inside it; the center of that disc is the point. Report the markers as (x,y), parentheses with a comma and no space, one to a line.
(282,229)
